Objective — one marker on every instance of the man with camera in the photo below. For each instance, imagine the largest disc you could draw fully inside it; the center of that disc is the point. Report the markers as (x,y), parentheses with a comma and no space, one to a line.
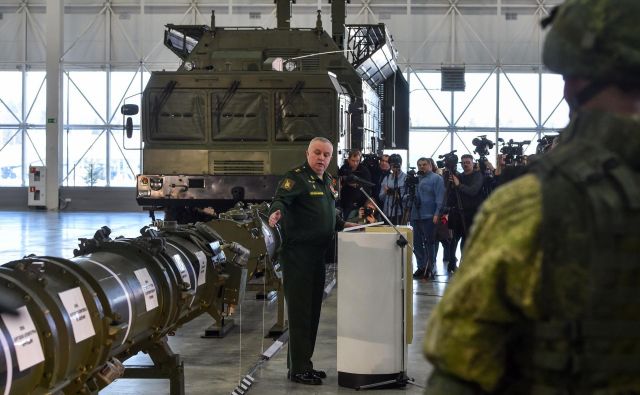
(546,301)
(425,213)
(367,214)
(463,198)
(350,174)
(392,190)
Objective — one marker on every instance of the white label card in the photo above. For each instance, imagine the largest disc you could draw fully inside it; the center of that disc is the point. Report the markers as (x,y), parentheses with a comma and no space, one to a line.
(76,307)
(182,269)
(25,338)
(148,288)
(202,259)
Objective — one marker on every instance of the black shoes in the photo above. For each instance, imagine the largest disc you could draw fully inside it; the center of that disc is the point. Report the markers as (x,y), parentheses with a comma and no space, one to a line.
(418,274)
(307,378)
(319,374)
(451,267)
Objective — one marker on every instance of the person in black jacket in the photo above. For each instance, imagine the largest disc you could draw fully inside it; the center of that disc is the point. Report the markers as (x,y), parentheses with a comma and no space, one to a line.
(463,198)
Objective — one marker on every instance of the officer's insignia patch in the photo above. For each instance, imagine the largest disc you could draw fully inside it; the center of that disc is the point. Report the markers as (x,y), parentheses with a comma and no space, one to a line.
(288,184)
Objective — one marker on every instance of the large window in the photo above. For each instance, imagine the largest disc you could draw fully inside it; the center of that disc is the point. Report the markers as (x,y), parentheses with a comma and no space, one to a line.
(498,103)
(95,151)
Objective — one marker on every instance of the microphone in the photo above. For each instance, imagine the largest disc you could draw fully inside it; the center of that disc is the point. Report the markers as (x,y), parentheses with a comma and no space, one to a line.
(358,180)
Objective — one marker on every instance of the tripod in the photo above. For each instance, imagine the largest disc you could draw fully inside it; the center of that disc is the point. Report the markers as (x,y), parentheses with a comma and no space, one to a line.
(401,379)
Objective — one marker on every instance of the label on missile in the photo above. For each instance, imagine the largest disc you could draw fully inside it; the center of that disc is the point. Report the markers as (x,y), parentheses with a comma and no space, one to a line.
(25,338)
(76,307)
(202,276)
(148,288)
(182,269)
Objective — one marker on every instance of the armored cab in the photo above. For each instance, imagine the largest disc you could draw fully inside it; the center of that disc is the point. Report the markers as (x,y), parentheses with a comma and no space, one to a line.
(242,107)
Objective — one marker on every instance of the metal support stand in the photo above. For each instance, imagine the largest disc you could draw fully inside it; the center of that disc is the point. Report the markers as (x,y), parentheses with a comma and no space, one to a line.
(400,235)
(219,329)
(281,325)
(166,365)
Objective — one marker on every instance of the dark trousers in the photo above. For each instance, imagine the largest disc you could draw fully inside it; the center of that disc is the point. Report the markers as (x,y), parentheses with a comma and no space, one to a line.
(303,275)
(424,243)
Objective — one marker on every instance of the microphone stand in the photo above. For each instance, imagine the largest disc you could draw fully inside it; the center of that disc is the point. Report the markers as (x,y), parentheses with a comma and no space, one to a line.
(402,379)
(402,241)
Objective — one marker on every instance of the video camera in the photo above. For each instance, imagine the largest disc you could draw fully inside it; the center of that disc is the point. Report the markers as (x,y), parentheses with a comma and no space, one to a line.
(513,151)
(545,143)
(413,178)
(449,161)
(483,145)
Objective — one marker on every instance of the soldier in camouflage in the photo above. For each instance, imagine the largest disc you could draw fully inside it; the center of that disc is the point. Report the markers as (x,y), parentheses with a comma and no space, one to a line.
(547,299)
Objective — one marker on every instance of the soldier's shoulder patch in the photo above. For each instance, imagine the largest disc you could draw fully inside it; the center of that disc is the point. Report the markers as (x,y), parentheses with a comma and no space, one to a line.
(287,184)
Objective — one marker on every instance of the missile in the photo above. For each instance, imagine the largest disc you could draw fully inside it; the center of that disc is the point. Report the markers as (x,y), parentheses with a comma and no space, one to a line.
(67,324)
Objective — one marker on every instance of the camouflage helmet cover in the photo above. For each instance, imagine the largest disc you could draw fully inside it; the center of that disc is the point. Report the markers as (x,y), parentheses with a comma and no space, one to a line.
(595,39)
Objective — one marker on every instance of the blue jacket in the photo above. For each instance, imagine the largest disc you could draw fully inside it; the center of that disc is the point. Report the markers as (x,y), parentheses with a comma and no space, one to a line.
(429,197)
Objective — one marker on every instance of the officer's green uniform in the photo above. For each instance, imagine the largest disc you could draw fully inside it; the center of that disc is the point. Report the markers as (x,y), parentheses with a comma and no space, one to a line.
(547,299)
(309,221)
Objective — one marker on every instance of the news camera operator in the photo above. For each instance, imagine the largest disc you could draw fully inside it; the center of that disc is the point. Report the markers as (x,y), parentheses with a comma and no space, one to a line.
(350,195)
(392,190)
(463,199)
(425,214)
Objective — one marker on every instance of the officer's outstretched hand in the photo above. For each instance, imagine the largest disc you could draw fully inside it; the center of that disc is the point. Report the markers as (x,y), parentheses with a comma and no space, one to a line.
(274,218)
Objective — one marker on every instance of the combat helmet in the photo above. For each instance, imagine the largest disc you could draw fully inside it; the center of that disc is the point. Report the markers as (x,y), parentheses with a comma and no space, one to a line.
(595,39)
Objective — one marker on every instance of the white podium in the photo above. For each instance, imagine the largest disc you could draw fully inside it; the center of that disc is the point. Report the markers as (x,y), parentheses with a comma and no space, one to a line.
(374,307)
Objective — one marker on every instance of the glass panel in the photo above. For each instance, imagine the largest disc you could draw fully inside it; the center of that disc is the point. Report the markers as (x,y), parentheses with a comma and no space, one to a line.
(178,116)
(11,97)
(36,97)
(432,108)
(85,161)
(513,112)
(10,157)
(242,116)
(481,110)
(87,96)
(555,111)
(305,115)
(124,159)
(123,85)
(428,144)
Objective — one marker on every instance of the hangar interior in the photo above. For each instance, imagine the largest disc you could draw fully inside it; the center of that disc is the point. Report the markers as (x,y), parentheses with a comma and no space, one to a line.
(67,66)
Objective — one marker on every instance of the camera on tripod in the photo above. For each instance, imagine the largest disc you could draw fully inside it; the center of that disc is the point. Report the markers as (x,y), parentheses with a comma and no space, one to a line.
(483,145)
(448,161)
(545,143)
(413,178)
(513,152)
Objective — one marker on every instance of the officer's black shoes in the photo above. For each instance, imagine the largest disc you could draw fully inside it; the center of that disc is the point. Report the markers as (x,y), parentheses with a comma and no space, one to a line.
(418,274)
(307,378)
(321,374)
(451,267)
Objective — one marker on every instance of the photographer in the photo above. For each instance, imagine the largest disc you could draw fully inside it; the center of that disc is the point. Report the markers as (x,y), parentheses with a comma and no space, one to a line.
(392,190)
(464,198)
(378,176)
(367,214)
(350,195)
(425,214)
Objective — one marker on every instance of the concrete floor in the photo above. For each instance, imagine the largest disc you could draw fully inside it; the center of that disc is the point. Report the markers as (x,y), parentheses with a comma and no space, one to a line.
(212,366)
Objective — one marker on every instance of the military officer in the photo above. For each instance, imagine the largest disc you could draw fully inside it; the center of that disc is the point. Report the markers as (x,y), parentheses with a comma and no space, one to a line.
(305,205)
(546,300)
